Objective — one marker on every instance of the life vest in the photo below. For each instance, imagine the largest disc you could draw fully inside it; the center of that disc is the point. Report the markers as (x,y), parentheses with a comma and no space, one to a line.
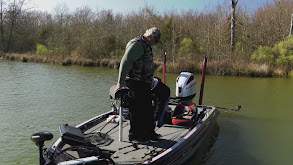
(184,115)
(143,68)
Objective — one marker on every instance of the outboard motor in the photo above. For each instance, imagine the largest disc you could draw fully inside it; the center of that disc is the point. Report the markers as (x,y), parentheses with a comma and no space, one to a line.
(185,113)
(39,138)
(185,86)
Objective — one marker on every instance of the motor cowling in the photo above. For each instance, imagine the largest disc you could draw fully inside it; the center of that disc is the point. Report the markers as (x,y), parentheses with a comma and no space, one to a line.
(185,85)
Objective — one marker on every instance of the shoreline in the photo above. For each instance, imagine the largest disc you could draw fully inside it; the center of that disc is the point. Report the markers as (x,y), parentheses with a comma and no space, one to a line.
(216,68)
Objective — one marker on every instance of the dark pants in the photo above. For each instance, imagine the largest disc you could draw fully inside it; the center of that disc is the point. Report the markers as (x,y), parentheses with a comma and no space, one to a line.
(140,109)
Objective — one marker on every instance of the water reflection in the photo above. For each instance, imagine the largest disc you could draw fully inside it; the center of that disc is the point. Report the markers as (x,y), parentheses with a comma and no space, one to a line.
(206,149)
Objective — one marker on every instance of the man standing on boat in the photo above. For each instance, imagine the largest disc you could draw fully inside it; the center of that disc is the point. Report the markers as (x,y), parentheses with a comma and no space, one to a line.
(136,72)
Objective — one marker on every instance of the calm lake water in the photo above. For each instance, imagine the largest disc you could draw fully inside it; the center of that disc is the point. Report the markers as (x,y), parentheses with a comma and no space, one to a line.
(40,97)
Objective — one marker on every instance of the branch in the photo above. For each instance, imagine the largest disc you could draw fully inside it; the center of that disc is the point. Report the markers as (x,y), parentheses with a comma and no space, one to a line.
(234,2)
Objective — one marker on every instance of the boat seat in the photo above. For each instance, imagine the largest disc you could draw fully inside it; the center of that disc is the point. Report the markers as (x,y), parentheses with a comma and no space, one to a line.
(122,94)
(118,94)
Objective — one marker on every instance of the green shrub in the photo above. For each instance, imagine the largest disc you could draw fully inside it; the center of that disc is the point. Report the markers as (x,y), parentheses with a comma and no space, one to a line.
(284,48)
(201,50)
(61,50)
(263,54)
(242,49)
(42,50)
(186,48)
(285,62)
(117,53)
(284,55)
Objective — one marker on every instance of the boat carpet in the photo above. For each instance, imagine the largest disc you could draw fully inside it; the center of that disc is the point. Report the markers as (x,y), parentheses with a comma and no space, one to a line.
(127,152)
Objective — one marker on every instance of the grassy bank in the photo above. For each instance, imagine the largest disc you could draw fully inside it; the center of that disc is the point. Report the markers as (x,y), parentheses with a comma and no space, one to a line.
(219,68)
(111,63)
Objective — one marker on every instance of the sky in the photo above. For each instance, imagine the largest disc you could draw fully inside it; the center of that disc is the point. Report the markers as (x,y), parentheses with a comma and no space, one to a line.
(127,6)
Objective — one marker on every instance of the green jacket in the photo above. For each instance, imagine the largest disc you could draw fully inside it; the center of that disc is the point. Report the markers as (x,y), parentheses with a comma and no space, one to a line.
(137,62)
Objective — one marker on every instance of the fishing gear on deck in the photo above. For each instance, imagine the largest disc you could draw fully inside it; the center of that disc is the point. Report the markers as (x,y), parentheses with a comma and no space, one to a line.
(150,154)
(131,145)
(231,109)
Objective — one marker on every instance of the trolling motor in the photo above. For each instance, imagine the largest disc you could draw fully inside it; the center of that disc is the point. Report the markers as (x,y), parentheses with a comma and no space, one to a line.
(39,138)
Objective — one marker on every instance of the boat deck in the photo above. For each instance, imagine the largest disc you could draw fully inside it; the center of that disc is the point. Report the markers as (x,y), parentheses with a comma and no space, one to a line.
(130,152)
(127,152)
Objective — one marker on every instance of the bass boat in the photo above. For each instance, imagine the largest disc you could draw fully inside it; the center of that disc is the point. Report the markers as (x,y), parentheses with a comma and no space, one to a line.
(103,139)
(97,141)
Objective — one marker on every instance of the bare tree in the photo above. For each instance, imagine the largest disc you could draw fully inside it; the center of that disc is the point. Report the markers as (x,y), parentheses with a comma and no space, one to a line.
(291,27)
(61,13)
(62,37)
(2,24)
(233,6)
(15,9)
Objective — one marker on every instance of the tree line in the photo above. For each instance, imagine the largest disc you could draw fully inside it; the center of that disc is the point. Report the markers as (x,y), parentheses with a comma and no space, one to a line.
(186,35)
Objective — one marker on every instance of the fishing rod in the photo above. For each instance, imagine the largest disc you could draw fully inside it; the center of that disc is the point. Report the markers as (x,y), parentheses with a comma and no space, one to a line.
(164,68)
(230,109)
(203,74)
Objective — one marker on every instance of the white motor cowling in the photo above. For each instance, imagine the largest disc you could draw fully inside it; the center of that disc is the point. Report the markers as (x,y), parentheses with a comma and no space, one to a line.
(185,85)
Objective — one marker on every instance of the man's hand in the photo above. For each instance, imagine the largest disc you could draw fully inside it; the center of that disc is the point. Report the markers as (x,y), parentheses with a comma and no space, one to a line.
(119,85)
